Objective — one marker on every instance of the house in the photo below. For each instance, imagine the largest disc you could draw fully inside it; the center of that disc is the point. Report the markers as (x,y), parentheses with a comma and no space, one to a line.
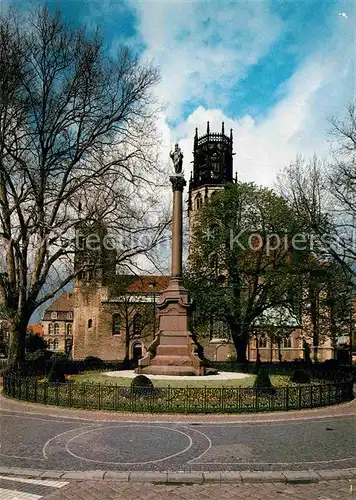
(57,323)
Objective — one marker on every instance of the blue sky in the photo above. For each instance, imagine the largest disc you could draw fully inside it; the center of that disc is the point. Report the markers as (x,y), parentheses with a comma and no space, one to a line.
(275,71)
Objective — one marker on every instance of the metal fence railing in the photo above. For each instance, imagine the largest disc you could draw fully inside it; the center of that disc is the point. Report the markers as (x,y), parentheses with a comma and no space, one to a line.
(180,400)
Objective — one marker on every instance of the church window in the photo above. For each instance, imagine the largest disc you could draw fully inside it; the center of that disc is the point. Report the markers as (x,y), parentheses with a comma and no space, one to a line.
(262,342)
(56,329)
(50,329)
(54,315)
(55,344)
(69,330)
(287,342)
(69,315)
(137,324)
(116,324)
(50,344)
(90,323)
(198,202)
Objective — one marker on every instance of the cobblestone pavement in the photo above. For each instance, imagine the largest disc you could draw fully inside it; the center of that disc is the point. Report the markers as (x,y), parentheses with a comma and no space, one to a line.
(105,490)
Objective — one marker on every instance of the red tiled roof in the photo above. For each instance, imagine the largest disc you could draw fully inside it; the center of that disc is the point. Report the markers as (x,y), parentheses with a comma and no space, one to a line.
(64,302)
(148,283)
(35,329)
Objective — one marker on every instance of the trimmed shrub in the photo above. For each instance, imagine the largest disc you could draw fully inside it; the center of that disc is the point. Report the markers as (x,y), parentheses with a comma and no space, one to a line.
(93,363)
(57,373)
(36,363)
(263,382)
(70,367)
(141,385)
(300,376)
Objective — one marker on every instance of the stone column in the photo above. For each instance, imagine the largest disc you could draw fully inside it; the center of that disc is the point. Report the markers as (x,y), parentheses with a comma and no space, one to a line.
(174,350)
(178,183)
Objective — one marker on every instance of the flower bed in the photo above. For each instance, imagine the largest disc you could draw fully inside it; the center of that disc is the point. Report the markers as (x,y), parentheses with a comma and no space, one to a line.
(330,391)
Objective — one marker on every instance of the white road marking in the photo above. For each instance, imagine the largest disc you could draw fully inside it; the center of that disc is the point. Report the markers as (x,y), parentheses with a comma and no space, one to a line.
(40,482)
(44,453)
(6,494)
(130,463)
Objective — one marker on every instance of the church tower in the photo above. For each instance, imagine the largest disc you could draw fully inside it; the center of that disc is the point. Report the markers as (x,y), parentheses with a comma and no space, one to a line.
(212,168)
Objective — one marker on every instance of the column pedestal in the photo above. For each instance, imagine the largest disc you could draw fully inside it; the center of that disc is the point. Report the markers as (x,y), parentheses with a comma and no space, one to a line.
(174,350)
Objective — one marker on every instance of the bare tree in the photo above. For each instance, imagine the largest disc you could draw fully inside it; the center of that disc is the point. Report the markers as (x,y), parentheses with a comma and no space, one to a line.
(77,144)
(342,178)
(323,193)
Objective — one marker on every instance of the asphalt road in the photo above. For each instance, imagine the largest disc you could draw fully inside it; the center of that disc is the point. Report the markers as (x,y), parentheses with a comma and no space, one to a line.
(46,442)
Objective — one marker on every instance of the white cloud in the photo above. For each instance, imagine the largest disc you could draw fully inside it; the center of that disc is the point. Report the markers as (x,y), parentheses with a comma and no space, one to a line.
(201,61)
(203,50)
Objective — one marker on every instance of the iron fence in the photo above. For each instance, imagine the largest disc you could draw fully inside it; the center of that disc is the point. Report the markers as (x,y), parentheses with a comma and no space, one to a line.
(180,400)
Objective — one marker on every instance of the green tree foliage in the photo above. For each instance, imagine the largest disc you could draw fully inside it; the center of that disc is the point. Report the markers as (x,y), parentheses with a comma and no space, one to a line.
(78,144)
(35,343)
(243,261)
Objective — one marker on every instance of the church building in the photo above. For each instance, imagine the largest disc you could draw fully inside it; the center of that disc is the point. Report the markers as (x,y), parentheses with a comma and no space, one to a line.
(114,316)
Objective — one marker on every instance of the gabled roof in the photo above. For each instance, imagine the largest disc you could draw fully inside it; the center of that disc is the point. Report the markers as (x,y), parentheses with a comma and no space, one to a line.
(148,283)
(64,302)
(36,329)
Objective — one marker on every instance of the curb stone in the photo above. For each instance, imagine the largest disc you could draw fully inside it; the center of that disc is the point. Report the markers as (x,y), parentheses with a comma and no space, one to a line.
(292,477)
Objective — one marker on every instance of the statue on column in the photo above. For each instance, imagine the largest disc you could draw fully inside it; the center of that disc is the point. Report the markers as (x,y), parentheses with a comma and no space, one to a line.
(177,159)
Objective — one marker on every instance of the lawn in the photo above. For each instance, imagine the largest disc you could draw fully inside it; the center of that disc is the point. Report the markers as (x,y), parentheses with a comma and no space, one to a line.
(97,377)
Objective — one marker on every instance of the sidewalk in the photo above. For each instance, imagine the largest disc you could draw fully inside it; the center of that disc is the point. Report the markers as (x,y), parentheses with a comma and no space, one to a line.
(95,490)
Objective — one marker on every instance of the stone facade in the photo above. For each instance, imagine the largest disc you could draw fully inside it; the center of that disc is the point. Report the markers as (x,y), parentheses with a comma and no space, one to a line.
(114,316)
(57,324)
(115,326)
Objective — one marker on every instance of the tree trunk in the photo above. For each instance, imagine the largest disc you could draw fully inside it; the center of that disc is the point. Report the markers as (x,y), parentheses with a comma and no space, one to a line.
(17,344)
(240,343)
(279,348)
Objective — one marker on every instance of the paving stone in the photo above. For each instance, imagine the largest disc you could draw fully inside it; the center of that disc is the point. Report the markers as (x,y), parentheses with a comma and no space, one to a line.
(327,475)
(149,477)
(21,472)
(55,474)
(301,477)
(185,477)
(115,490)
(83,475)
(212,477)
(262,477)
(231,477)
(117,475)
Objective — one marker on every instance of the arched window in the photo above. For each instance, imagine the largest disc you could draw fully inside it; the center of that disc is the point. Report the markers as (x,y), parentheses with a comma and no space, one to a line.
(69,330)
(198,201)
(287,342)
(55,344)
(90,323)
(50,329)
(56,329)
(137,324)
(262,342)
(50,344)
(116,324)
